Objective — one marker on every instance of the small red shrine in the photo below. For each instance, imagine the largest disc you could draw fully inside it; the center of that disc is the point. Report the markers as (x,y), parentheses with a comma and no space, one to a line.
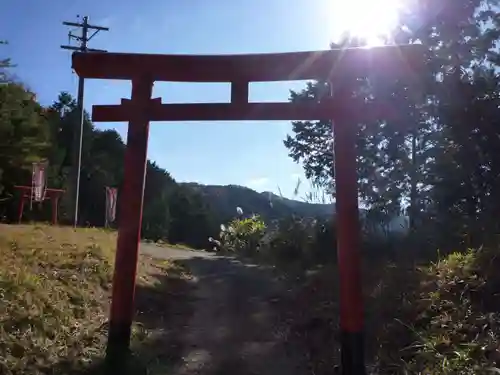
(38,191)
(51,194)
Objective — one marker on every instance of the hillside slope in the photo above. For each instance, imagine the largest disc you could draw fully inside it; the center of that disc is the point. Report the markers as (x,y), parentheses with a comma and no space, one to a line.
(224,200)
(54,300)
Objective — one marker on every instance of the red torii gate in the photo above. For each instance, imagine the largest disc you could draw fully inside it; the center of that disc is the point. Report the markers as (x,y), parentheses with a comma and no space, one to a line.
(239,70)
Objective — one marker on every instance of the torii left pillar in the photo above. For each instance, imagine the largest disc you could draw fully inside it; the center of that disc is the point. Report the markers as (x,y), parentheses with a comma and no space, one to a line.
(129,234)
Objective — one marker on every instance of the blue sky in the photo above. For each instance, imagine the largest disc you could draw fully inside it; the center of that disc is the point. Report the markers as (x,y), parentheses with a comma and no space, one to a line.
(244,153)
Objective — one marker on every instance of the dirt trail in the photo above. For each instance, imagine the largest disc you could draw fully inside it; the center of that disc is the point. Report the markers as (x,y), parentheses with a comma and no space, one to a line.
(235,328)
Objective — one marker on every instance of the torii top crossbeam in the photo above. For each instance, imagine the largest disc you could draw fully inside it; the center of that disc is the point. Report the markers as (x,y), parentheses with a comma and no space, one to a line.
(239,70)
(322,65)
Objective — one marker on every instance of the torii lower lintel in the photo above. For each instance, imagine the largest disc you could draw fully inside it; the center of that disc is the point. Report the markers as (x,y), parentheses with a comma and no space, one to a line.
(329,66)
(248,111)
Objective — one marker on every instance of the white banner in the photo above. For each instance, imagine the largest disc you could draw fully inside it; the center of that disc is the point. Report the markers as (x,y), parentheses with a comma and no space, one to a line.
(38,181)
(111,196)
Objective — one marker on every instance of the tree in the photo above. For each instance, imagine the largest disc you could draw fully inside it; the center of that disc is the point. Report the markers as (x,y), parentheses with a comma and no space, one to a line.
(156,217)
(468,157)
(396,159)
(4,64)
(191,217)
(23,135)
(312,145)
(23,140)
(63,124)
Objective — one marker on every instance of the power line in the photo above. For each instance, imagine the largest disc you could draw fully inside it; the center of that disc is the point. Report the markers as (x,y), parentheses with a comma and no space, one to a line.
(83,40)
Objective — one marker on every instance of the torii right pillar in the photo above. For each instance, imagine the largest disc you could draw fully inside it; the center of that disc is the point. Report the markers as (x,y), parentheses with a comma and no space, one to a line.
(348,246)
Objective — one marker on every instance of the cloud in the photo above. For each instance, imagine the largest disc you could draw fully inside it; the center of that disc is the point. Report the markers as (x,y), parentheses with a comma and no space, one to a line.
(258,182)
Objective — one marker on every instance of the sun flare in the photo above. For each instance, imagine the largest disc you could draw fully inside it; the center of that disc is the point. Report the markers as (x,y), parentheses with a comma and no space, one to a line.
(370,20)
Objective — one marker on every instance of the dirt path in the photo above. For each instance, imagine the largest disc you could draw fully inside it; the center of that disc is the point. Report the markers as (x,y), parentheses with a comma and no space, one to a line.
(235,328)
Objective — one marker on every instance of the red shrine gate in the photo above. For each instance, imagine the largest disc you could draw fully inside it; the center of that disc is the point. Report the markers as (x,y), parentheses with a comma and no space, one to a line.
(330,66)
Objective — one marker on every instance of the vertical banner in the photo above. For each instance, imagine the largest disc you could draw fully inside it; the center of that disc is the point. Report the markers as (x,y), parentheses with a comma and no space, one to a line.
(111,195)
(39,181)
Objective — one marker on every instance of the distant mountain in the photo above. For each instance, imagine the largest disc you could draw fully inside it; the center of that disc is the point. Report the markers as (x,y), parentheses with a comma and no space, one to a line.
(224,200)
(303,208)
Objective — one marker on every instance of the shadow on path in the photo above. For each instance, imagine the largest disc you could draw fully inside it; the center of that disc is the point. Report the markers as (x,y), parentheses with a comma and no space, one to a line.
(236,327)
(225,319)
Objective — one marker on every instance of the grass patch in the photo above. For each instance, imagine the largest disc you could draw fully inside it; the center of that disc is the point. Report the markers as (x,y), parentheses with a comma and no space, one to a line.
(55,286)
(457,329)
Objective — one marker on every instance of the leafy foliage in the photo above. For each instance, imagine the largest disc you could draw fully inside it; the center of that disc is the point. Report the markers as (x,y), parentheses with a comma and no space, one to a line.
(24,136)
(302,242)
(445,135)
(243,235)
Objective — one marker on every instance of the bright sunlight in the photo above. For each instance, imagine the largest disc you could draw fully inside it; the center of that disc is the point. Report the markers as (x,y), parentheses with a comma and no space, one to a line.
(371,20)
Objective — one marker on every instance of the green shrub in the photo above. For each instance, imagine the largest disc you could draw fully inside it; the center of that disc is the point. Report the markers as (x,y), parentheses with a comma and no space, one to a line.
(300,241)
(243,235)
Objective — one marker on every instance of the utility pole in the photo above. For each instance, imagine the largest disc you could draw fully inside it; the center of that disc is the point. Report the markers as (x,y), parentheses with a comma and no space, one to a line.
(83,40)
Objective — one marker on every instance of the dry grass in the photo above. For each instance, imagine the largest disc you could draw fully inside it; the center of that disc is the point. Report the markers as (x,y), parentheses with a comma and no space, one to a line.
(54,289)
(54,297)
